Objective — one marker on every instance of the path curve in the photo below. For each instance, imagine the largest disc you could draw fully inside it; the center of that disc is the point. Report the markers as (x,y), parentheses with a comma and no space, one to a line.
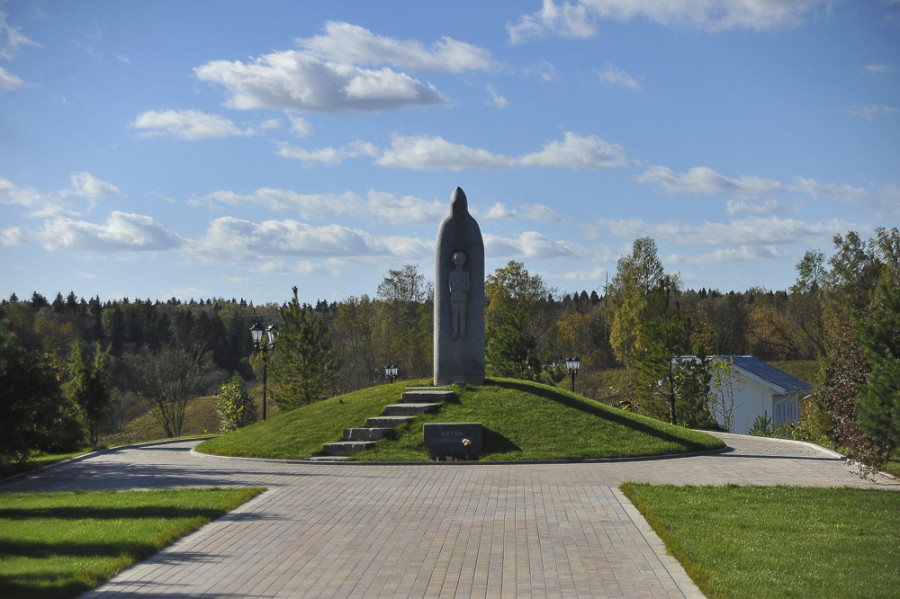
(470,530)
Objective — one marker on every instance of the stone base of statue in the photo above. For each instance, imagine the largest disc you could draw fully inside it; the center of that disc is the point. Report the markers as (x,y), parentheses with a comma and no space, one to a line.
(459,297)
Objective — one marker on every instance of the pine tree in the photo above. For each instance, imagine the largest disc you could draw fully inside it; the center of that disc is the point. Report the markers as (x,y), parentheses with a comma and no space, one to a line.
(303,367)
(878,402)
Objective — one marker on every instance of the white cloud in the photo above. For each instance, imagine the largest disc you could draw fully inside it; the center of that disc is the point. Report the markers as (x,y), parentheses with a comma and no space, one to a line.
(86,185)
(567,20)
(872,111)
(844,193)
(731,255)
(298,268)
(12,236)
(308,206)
(46,205)
(10,82)
(37,204)
(618,77)
(544,70)
(296,81)
(376,206)
(702,180)
(232,239)
(123,59)
(329,156)
(497,100)
(192,125)
(529,244)
(121,232)
(300,126)
(404,209)
(578,20)
(881,69)
(346,43)
(743,207)
(586,276)
(536,212)
(12,40)
(771,230)
(576,152)
(430,153)
(271,124)
(891,193)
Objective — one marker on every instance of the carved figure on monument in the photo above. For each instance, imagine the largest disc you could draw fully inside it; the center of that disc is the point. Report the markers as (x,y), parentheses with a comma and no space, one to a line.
(459,297)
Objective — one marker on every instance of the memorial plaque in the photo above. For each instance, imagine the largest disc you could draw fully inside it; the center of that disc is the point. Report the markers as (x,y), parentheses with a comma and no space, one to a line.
(446,439)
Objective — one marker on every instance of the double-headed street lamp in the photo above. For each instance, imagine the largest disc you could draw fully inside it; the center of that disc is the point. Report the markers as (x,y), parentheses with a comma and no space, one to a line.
(390,372)
(573,365)
(265,346)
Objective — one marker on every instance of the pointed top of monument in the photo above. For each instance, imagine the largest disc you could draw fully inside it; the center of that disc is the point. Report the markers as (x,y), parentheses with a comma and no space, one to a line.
(458,201)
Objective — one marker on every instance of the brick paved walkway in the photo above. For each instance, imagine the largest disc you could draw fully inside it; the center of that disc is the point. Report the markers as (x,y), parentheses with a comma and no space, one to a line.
(449,530)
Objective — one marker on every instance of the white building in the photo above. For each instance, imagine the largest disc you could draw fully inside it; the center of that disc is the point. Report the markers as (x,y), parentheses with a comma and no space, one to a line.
(760,389)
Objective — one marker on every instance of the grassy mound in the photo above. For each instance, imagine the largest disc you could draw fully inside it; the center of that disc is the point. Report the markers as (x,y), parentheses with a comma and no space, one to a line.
(300,433)
(522,421)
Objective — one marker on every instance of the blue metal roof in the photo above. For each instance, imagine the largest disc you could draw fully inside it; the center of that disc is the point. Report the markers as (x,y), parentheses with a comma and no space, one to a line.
(770,374)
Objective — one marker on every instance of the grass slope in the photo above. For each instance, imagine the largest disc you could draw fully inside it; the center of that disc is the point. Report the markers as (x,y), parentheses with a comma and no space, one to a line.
(57,545)
(522,421)
(300,433)
(779,541)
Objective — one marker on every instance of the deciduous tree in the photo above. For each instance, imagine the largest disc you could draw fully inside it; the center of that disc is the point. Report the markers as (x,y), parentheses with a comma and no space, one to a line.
(725,390)
(35,413)
(169,378)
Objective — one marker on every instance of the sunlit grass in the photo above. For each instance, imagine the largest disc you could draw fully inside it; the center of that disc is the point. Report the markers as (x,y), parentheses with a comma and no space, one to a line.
(755,542)
(522,421)
(301,433)
(530,421)
(56,545)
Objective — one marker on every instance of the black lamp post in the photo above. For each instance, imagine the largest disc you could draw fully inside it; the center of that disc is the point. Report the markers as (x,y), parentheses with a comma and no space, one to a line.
(573,365)
(390,372)
(265,346)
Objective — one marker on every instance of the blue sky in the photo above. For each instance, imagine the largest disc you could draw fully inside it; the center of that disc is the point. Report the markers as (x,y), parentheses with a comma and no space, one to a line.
(235,149)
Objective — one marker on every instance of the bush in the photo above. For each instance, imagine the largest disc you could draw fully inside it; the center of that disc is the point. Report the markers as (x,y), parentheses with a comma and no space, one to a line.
(235,407)
(762,426)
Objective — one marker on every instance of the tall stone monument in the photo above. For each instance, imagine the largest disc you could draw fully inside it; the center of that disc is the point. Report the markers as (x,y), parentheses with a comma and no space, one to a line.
(459,297)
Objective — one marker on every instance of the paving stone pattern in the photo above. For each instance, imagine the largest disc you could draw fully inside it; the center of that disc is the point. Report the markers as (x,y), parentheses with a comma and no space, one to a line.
(434,530)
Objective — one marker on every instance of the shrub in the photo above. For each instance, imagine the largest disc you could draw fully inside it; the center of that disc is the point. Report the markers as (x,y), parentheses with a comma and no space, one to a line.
(235,407)
(762,426)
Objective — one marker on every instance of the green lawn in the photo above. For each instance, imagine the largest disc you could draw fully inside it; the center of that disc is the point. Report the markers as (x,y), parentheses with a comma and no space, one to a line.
(301,433)
(779,541)
(522,421)
(55,545)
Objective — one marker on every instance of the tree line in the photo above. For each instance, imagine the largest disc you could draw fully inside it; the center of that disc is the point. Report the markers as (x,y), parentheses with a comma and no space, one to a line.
(140,352)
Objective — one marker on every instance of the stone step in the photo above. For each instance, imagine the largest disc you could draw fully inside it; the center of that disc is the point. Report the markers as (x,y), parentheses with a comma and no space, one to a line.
(426,396)
(365,434)
(410,409)
(347,448)
(386,421)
